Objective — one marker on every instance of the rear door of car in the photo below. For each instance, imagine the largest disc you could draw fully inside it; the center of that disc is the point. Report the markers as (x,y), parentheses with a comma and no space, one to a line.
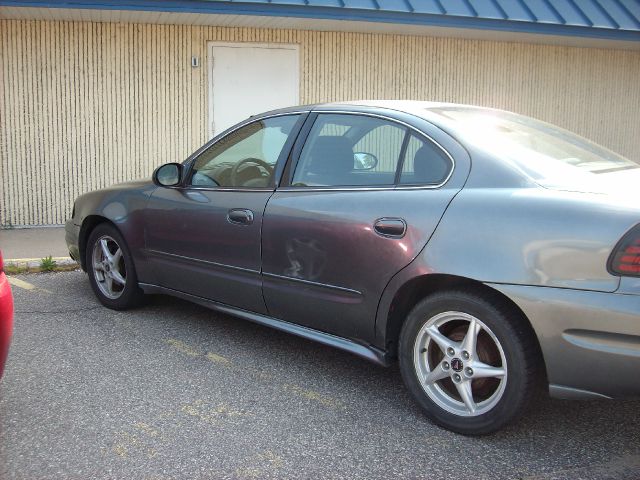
(334,233)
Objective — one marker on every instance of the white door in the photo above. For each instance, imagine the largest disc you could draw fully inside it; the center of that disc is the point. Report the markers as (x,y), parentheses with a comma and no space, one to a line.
(250,78)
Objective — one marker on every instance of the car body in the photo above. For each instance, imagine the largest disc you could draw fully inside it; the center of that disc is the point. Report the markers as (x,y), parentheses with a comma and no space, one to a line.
(6,316)
(514,213)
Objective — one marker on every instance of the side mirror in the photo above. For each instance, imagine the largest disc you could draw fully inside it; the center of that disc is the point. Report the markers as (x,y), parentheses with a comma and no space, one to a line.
(167,175)
(364,161)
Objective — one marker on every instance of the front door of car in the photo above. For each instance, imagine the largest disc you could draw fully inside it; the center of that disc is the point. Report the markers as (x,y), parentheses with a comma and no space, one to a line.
(203,237)
(362,201)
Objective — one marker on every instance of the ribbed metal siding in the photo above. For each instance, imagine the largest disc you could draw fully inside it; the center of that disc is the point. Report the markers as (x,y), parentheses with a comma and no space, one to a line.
(85,105)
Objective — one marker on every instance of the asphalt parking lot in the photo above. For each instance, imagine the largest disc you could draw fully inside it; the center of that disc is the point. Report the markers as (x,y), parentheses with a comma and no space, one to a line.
(173,390)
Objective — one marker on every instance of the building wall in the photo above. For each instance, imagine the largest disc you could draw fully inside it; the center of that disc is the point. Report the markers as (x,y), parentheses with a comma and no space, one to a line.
(84,105)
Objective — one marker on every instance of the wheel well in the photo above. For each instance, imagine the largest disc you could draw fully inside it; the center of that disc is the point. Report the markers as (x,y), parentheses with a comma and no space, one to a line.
(418,288)
(89,223)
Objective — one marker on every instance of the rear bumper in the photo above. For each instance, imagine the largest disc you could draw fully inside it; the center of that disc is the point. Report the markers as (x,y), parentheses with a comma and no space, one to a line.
(590,340)
(71,236)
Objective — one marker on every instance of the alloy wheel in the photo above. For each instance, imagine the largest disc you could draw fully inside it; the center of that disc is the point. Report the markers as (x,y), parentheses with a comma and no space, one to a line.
(460,363)
(109,267)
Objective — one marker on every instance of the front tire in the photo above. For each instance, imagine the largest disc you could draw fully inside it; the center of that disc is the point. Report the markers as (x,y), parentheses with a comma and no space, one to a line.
(111,270)
(469,360)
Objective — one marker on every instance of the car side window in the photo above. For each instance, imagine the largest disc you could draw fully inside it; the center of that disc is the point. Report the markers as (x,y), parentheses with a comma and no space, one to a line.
(350,150)
(425,163)
(384,143)
(244,158)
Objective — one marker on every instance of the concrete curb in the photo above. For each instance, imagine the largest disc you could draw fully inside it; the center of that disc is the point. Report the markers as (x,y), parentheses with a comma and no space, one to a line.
(32,265)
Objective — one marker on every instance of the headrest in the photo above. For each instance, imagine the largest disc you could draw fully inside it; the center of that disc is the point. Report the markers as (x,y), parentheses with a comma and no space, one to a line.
(331,155)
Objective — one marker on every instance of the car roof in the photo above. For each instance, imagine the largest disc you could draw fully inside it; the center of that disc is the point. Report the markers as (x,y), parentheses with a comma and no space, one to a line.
(418,108)
(407,106)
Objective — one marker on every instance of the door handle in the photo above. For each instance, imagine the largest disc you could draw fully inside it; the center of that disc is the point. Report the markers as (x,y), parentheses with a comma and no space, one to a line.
(240,216)
(390,227)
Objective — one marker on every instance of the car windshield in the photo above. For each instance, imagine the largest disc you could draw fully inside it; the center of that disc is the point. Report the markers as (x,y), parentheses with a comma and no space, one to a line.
(546,153)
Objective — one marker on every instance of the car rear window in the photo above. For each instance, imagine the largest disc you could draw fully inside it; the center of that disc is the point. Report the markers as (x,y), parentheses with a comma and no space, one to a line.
(543,151)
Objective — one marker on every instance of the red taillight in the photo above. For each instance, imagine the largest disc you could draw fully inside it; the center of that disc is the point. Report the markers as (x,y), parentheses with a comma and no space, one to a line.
(625,258)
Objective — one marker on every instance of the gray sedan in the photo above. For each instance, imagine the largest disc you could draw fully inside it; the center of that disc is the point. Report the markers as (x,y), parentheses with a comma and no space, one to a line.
(493,255)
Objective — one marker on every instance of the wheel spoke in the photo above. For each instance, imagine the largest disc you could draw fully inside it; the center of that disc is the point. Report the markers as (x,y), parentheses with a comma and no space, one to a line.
(117,277)
(471,338)
(482,370)
(105,250)
(108,284)
(438,373)
(442,341)
(116,257)
(98,267)
(464,389)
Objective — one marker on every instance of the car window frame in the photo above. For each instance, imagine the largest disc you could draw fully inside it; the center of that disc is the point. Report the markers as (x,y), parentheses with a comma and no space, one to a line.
(280,165)
(303,136)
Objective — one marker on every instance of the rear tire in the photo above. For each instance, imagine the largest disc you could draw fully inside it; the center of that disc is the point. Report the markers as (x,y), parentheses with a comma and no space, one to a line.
(469,360)
(111,270)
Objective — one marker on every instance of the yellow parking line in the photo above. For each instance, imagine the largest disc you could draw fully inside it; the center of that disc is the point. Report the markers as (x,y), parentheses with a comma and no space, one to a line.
(297,390)
(21,283)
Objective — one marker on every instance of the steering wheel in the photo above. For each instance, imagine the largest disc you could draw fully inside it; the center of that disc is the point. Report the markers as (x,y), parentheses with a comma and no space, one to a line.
(233,176)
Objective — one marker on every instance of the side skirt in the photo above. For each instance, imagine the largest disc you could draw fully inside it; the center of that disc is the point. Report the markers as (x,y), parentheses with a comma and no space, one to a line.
(569,393)
(367,352)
